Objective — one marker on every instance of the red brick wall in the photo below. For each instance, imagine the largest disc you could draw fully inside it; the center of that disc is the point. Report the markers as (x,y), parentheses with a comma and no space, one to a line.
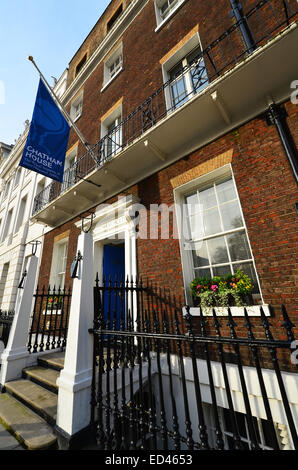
(142,50)
(265,183)
(268,194)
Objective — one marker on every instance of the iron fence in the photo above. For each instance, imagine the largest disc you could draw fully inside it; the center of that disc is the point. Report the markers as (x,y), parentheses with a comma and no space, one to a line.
(6,319)
(264,21)
(155,374)
(49,320)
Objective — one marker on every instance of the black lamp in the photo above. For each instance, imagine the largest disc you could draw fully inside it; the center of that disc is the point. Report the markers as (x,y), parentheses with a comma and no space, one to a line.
(75,266)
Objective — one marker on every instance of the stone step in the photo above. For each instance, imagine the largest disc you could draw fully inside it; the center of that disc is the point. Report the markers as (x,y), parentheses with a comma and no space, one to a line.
(45,377)
(37,398)
(53,360)
(28,428)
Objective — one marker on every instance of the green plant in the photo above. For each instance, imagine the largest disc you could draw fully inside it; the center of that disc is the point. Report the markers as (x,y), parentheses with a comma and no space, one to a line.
(222,291)
(54,302)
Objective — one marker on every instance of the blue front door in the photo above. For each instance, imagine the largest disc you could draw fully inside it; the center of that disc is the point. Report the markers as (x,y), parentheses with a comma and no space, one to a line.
(113,268)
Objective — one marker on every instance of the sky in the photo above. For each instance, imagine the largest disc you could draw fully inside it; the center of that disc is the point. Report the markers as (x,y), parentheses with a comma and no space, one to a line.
(49,30)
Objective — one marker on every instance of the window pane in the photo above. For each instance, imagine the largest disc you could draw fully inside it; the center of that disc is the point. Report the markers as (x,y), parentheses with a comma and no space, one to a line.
(211,222)
(231,215)
(221,270)
(268,433)
(240,418)
(177,70)
(203,272)
(193,55)
(226,191)
(207,198)
(238,246)
(218,250)
(179,91)
(196,226)
(228,420)
(248,269)
(192,204)
(200,255)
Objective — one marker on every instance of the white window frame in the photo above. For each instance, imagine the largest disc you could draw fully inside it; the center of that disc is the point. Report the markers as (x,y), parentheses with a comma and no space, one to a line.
(40,186)
(17,178)
(108,77)
(55,262)
(177,57)
(8,224)
(184,235)
(70,159)
(161,19)
(21,213)
(116,118)
(76,108)
(6,189)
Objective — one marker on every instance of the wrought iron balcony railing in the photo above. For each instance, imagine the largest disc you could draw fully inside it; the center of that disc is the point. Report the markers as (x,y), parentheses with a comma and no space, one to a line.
(263,22)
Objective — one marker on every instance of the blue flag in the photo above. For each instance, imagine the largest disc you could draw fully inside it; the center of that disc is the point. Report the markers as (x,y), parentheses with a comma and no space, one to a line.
(47,140)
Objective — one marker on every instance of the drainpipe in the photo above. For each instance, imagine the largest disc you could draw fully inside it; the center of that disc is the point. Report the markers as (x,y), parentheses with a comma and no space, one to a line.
(277,115)
(237,11)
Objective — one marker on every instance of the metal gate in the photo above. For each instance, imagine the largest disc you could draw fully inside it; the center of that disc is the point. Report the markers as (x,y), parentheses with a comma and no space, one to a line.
(148,388)
(49,319)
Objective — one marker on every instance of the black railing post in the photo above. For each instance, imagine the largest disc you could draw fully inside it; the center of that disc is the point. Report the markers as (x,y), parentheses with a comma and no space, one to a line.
(250,424)
(236,437)
(218,432)
(266,325)
(202,426)
(255,353)
(241,19)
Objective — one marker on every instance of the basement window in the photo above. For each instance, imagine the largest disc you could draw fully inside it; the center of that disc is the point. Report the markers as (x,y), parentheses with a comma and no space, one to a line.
(114,18)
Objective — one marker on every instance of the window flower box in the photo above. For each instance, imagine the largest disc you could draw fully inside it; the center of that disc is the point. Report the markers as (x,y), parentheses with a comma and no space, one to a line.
(220,292)
(252,310)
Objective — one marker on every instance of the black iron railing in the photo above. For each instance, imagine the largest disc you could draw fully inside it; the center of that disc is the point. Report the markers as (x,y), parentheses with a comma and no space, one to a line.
(6,319)
(264,21)
(155,378)
(49,320)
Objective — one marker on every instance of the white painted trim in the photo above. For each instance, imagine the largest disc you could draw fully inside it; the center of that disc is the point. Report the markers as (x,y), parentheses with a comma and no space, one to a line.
(186,258)
(252,311)
(107,84)
(172,13)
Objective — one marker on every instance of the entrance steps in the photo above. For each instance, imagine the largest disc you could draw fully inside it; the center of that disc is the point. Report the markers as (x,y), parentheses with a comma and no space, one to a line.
(28,407)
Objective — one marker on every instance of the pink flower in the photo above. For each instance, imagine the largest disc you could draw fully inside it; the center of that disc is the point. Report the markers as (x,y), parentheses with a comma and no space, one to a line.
(214,287)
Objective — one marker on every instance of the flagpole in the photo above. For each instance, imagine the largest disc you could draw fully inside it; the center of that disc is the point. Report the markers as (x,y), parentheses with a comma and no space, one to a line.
(63,110)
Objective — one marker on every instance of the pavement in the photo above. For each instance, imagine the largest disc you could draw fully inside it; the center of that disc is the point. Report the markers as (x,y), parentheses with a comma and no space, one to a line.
(7,441)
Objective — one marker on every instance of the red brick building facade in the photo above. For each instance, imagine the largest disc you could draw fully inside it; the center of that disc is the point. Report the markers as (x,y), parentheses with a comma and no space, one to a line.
(264,180)
(189,169)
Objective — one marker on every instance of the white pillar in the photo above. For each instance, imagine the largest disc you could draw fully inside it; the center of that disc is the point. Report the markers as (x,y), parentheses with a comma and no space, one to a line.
(15,355)
(73,413)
